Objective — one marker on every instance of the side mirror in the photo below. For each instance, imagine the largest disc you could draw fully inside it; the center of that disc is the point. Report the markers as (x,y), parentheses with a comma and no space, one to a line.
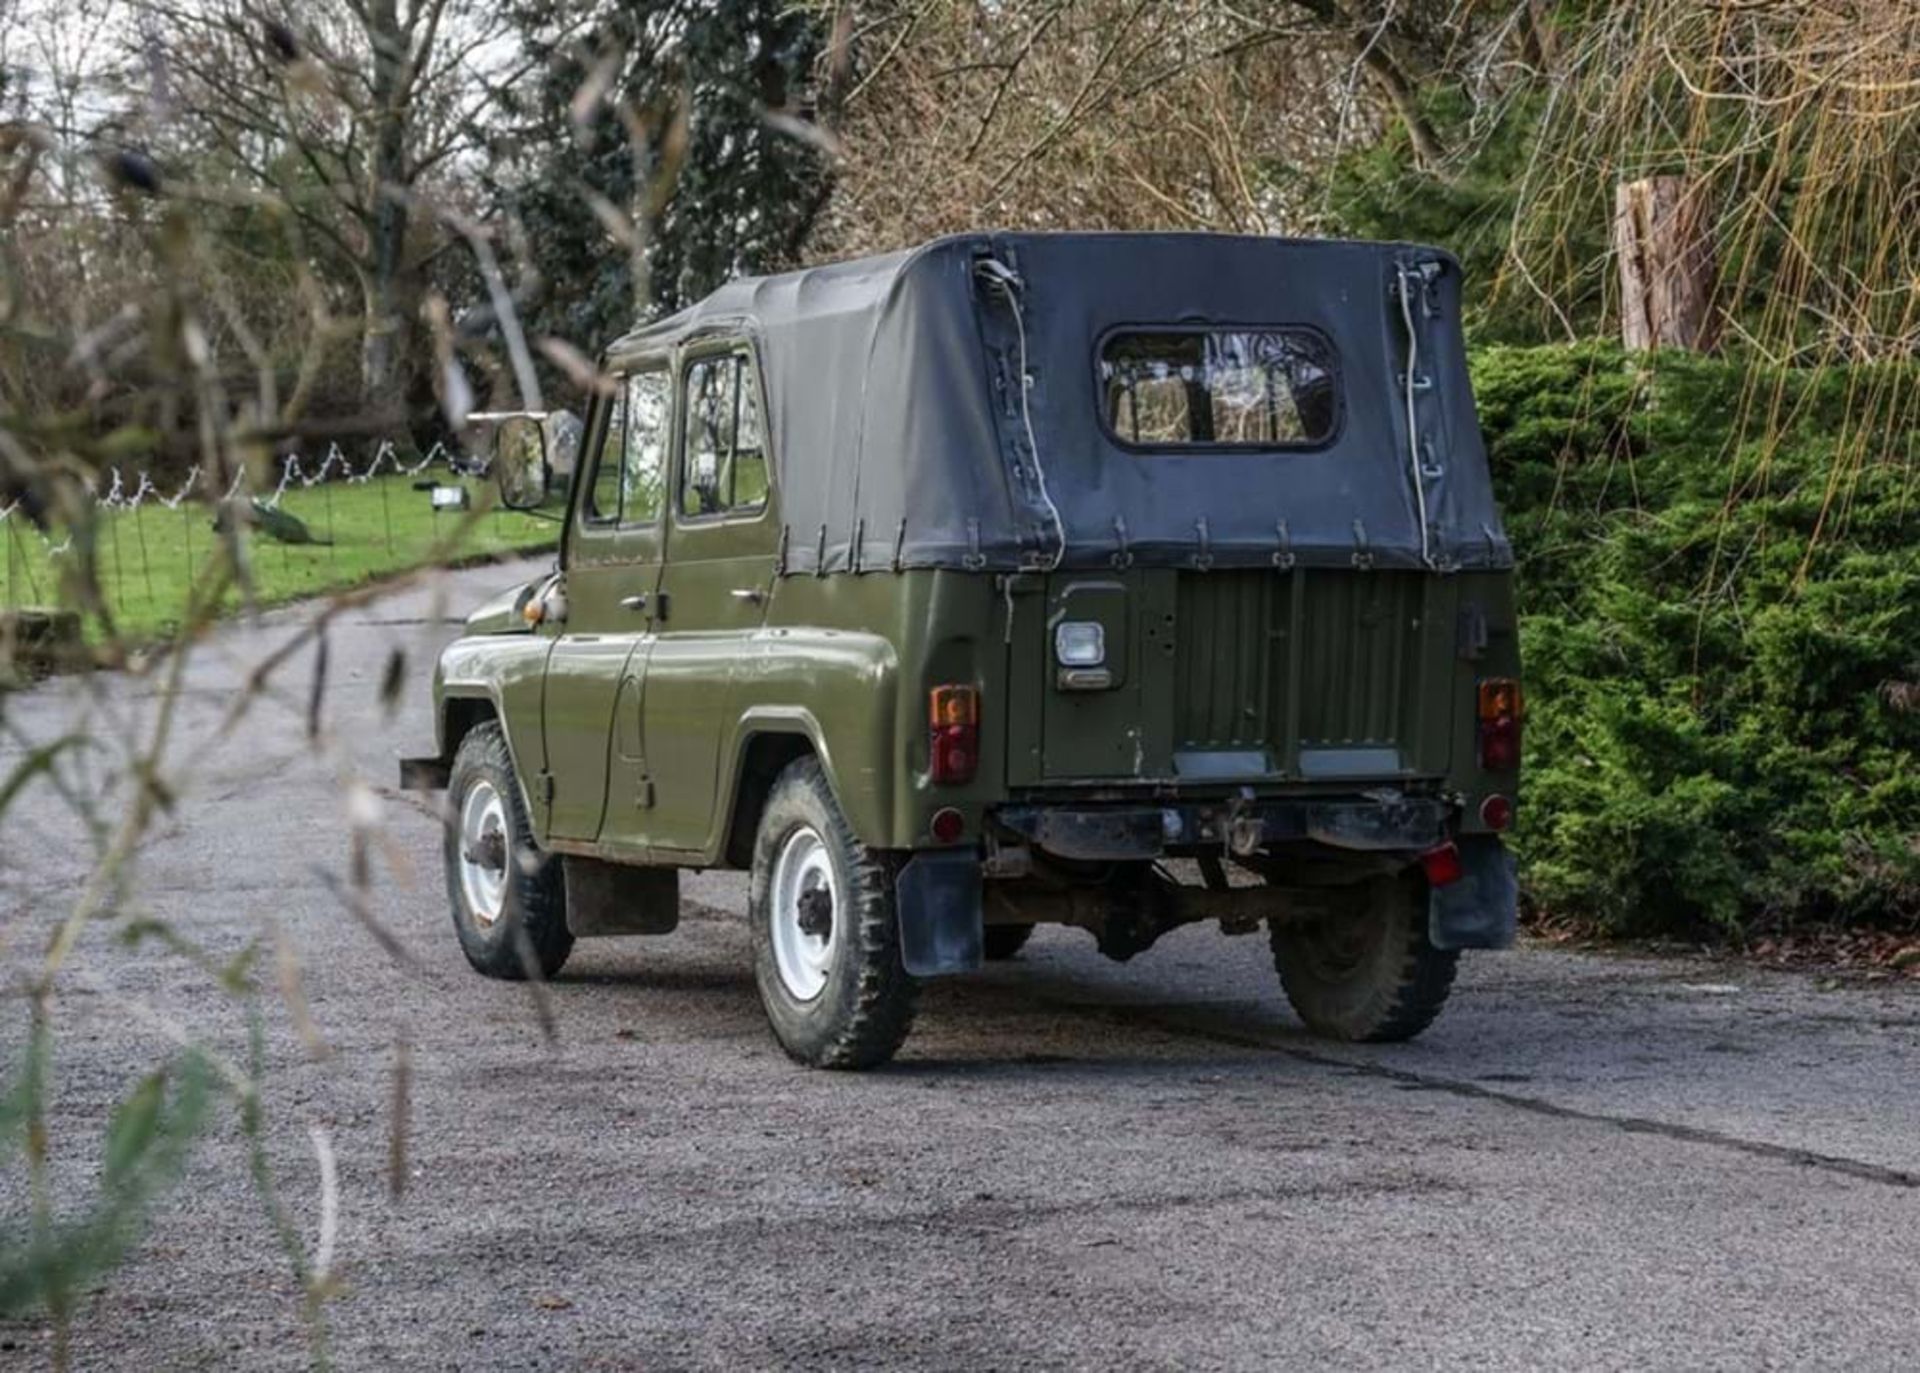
(520,462)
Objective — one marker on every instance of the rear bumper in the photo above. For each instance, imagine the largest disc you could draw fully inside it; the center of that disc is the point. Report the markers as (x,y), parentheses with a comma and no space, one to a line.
(941,893)
(1124,832)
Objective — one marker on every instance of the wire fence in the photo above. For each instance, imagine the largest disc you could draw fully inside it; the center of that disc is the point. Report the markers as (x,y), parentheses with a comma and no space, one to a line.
(149,540)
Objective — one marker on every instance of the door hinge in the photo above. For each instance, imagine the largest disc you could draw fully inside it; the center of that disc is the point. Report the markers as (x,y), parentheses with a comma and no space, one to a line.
(643,794)
(544,787)
(661,605)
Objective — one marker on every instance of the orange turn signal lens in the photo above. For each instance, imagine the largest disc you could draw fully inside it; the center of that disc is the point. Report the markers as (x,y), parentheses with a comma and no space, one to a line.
(953,743)
(1501,708)
(954,705)
(1500,696)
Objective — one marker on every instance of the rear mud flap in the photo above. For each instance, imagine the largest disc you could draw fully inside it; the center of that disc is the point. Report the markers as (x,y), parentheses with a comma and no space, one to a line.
(938,898)
(1481,910)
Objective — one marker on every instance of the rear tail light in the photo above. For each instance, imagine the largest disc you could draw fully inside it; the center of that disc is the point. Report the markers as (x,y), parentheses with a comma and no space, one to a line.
(1501,710)
(953,745)
(1442,865)
(947,825)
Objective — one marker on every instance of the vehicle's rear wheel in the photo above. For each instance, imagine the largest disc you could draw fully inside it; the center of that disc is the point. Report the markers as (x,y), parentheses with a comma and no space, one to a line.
(1001,942)
(1368,971)
(826,944)
(509,899)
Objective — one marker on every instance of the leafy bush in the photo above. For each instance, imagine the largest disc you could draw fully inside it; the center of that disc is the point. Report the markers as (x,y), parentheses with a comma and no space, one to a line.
(1720,591)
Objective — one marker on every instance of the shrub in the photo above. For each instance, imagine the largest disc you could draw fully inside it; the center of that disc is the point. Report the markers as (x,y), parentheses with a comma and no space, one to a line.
(1720,593)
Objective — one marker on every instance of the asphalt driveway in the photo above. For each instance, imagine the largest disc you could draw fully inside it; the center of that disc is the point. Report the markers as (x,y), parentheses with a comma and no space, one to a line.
(1589,1161)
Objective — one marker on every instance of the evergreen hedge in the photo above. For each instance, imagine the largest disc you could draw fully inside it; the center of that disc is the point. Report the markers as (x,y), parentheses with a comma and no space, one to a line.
(1720,614)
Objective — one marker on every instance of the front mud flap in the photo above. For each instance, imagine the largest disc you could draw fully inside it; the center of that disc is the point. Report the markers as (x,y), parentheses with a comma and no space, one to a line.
(1482,908)
(938,898)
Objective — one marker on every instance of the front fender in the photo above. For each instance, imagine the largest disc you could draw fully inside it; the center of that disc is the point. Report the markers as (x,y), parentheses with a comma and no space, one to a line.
(507,674)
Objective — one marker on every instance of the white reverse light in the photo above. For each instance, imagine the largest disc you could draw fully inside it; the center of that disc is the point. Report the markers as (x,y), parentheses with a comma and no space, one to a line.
(1080,643)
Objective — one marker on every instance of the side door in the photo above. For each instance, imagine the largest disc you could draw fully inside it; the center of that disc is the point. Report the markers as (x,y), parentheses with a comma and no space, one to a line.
(722,542)
(611,577)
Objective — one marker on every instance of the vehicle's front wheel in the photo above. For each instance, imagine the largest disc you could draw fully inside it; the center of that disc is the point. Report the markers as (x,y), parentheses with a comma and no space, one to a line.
(1368,971)
(826,944)
(509,899)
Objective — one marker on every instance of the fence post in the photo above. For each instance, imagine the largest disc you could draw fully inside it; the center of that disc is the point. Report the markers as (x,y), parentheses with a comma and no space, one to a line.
(113,534)
(333,558)
(146,569)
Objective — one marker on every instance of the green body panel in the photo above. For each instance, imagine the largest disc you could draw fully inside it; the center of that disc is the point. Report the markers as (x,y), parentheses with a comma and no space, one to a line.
(589,712)
(858,654)
(1296,678)
(716,583)
(1291,682)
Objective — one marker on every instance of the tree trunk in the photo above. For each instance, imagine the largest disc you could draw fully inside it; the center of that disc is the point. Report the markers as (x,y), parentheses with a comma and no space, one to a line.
(1666,266)
(382,342)
(1370,47)
(1428,150)
(1536,36)
(388,292)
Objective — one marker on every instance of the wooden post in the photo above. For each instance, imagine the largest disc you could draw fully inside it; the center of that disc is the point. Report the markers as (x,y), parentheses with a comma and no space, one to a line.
(1666,266)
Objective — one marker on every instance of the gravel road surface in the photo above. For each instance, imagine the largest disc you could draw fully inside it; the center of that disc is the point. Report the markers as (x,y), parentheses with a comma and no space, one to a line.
(1589,1161)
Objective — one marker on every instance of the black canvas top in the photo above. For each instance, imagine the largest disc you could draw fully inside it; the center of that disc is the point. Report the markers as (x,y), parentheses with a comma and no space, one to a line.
(900,438)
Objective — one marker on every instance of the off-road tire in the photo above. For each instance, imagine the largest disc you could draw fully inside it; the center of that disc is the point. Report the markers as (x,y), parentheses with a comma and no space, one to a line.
(531,937)
(861,1015)
(1366,973)
(1001,942)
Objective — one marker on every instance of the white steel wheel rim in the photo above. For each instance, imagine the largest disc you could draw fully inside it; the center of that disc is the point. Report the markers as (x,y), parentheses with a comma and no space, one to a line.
(803,878)
(483,853)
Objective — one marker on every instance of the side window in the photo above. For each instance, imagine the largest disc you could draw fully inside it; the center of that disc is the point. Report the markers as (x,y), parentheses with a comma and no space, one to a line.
(644,494)
(603,500)
(726,459)
(629,475)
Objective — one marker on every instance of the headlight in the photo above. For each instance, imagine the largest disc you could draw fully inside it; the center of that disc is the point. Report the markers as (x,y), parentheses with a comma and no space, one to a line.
(1079,643)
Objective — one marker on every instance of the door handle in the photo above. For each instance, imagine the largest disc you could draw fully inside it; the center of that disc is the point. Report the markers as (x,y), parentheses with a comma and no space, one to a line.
(634,602)
(752,595)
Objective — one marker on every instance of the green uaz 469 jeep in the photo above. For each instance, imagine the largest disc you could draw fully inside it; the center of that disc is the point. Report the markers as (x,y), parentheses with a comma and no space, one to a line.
(1118,581)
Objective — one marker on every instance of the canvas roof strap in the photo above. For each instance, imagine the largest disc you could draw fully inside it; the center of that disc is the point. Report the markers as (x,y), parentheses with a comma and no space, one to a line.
(1411,382)
(1204,558)
(1008,285)
(1283,555)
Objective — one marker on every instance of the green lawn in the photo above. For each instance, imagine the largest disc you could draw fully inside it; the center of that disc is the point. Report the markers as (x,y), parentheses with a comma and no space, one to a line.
(147,557)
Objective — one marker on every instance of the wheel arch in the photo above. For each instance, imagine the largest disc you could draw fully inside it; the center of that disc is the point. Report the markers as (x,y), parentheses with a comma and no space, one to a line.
(460,714)
(767,745)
